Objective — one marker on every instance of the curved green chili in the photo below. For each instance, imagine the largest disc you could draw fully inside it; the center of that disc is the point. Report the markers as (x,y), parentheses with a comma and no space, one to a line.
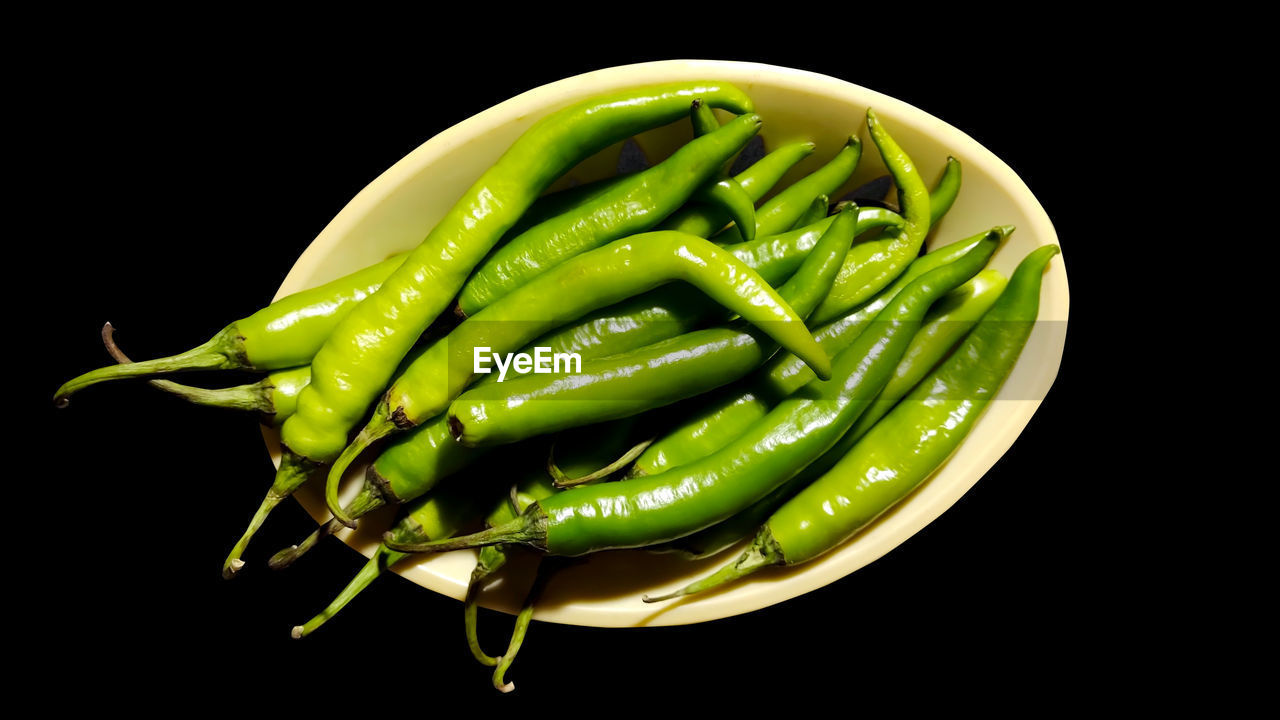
(657,375)
(285,334)
(947,322)
(945,191)
(627,208)
(860,278)
(725,416)
(648,510)
(588,281)
(906,446)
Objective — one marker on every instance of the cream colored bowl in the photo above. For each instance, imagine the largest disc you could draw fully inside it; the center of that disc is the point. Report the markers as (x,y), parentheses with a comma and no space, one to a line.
(397,209)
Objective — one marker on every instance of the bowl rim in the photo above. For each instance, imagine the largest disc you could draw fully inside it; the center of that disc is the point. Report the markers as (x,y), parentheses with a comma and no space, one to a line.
(537,101)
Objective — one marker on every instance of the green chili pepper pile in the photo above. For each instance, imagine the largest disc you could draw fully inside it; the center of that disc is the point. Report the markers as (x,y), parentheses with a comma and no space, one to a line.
(780,372)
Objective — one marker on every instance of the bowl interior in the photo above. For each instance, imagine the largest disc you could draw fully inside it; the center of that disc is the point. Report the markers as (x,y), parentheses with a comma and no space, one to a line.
(395,212)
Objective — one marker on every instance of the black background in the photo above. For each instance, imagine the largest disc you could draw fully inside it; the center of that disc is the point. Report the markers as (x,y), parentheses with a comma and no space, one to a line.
(180,178)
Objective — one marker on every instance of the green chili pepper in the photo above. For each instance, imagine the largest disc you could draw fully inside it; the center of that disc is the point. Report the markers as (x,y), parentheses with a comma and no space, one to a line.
(627,208)
(947,322)
(785,208)
(906,446)
(660,374)
(945,191)
(860,278)
(727,415)
(361,354)
(649,510)
(285,334)
(705,220)
(588,281)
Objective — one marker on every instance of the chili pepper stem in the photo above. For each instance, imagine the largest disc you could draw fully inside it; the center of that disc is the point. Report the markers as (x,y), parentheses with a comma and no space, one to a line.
(564,481)
(254,398)
(379,427)
(367,501)
(521,627)
(222,352)
(528,529)
(382,559)
(762,552)
(492,558)
(292,473)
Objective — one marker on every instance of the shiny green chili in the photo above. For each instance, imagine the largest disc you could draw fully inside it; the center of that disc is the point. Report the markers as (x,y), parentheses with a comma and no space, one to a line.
(861,278)
(945,191)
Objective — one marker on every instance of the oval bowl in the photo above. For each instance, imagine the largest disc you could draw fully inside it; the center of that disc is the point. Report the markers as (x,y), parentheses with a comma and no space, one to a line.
(395,211)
